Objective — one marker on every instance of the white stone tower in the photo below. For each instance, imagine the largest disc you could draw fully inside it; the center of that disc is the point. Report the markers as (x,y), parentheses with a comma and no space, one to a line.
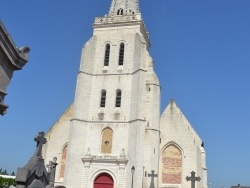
(115,124)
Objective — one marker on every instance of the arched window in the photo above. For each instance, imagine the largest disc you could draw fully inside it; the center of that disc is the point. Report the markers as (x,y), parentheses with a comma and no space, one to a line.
(107,137)
(103,98)
(120,11)
(63,160)
(171,165)
(118,98)
(107,53)
(121,54)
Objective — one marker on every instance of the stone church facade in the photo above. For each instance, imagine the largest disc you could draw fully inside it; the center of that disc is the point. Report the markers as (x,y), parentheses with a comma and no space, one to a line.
(113,135)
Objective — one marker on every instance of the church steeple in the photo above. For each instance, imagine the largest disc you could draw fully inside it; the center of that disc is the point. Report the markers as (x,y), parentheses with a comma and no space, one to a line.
(124,7)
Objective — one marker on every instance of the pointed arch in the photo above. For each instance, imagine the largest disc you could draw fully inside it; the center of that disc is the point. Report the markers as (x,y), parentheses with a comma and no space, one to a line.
(172,158)
(121,54)
(118,98)
(120,11)
(107,54)
(107,139)
(103,98)
(63,160)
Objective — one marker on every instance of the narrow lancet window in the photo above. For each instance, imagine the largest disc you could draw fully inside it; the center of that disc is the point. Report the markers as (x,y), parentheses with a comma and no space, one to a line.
(121,54)
(107,53)
(103,99)
(63,160)
(107,137)
(118,98)
(120,11)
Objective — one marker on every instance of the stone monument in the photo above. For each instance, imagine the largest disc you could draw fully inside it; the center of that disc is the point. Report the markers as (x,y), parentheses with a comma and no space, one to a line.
(152,175)
(34,174)
(193,179)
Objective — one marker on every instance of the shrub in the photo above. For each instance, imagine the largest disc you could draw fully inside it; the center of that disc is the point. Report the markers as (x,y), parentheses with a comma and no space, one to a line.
(7,182)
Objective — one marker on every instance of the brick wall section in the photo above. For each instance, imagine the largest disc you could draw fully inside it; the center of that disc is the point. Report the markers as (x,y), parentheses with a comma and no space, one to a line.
(63,161)
(172,165)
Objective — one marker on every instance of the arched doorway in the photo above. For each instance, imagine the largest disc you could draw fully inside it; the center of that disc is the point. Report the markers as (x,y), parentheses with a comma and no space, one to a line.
(104,180)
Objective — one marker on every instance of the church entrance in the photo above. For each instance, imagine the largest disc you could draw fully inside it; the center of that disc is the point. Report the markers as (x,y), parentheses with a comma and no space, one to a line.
(104,180)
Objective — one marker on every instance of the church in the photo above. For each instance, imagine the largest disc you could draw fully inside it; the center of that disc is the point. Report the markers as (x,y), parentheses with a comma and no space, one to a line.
(114,135)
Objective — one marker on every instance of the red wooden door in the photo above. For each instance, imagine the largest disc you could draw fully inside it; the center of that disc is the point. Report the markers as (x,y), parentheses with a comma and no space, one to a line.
(104,181)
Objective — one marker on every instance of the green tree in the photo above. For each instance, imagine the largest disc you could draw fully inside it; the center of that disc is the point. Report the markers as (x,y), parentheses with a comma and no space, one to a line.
(4,172)
(7,182)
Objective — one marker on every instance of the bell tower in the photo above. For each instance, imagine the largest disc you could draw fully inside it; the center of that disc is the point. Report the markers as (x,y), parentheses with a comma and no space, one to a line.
(124,7)
(114,132)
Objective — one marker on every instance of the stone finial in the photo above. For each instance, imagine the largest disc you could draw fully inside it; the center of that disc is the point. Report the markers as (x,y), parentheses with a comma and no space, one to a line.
(123,154)
(88,154)
(24,52)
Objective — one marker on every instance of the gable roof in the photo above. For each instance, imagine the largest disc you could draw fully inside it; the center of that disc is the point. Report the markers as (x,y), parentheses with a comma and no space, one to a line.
(176,118)
(67,115)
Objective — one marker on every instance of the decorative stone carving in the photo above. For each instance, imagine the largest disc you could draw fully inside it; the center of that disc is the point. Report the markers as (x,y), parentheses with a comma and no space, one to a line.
(52,172)
(123,154)
(88,154)
(34,174)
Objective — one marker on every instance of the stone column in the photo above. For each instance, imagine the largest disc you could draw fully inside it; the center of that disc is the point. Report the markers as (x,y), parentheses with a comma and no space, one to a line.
(121,176)
(86,174)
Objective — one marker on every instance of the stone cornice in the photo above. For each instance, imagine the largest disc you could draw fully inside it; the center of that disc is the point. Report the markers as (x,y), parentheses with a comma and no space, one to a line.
(113,74)
(150,129)
(104,158)
(18,57)
(122,21)
(87,121)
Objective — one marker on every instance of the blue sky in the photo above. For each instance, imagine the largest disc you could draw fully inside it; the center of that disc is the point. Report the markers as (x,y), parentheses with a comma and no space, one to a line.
(201,51)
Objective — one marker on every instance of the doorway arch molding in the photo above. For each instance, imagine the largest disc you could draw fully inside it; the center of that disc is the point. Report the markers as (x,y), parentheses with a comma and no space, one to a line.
(103,171)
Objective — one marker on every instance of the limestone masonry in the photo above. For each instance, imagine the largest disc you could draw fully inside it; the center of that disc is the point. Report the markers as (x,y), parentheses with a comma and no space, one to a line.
(113,135)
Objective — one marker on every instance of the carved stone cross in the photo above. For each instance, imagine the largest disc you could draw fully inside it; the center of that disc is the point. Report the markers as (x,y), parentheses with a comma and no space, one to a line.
(153,175)
(193,179)
(40,139)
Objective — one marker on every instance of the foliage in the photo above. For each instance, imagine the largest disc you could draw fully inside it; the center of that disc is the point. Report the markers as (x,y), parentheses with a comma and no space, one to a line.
(7,182)
(3,172)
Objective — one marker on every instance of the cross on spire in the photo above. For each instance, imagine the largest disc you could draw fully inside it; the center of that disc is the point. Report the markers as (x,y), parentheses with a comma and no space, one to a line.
(40,141)
(153,175)
(193,179)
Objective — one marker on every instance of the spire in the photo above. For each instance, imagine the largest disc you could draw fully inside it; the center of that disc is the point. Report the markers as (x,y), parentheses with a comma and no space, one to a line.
(124,7)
